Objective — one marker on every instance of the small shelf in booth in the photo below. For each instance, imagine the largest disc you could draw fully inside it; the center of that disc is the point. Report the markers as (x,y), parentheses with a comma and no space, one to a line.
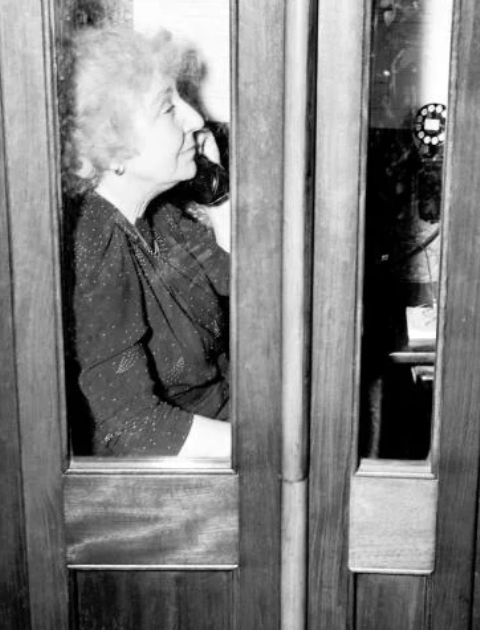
(413,357)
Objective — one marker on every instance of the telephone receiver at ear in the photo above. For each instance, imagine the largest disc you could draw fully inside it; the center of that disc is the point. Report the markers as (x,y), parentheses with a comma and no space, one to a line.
(211,184)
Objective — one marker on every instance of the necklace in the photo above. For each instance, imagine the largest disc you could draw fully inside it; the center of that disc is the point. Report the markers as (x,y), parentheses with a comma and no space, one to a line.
(152,250)
(134,232)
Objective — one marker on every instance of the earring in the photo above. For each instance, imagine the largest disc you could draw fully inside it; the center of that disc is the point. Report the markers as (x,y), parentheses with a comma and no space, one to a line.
(119,170)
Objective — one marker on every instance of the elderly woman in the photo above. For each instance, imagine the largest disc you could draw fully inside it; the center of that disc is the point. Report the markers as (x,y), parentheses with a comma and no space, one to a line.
(148,332)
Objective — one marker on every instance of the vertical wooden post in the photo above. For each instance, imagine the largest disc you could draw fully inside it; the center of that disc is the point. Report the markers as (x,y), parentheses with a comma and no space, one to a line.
(338,197)
(14,606)
(258,84)
(458,386)
(25,63)
(298,95)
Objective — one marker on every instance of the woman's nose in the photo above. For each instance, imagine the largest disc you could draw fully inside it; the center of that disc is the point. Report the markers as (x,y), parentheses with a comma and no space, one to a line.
(191,119)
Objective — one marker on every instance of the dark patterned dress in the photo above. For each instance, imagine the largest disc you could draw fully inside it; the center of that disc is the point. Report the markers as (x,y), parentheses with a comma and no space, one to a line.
(148,336)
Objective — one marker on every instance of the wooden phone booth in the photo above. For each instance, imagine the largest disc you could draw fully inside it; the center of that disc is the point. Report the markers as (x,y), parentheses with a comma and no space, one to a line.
(329,515)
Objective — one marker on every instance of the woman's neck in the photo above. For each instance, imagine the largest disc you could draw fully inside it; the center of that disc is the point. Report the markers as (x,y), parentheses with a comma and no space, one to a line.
(130,200)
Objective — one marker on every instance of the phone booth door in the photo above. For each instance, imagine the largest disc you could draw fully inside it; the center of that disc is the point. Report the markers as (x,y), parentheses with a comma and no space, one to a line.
(395,392)
(128,543)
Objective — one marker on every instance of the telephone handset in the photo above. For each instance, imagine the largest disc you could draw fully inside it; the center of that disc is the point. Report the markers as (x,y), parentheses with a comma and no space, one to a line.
(211,185)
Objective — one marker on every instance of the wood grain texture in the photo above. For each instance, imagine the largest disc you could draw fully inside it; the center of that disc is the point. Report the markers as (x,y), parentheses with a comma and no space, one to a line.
(392,524)
(475,621)
(458,394)
(25,71)
(14,604)
(299,55)
(336,229)
(152,521)
(258,82)
(391,602)
(294,555)
(153,600)
(299,58)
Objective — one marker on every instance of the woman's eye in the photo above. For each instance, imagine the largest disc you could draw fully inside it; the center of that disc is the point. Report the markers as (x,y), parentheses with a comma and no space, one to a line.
(168,109)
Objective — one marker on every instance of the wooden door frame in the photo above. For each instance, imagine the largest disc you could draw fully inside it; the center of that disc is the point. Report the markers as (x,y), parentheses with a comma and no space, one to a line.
(337,224)
(458,432)
(31,202)
(13,562)
(31,211)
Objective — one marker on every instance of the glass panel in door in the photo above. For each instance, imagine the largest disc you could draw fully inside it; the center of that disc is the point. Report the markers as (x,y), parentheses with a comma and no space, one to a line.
(408,112)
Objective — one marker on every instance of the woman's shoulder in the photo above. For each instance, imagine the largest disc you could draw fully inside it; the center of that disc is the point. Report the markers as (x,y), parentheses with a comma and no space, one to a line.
(99,244)
(101,259)
(95,219)
(106,288)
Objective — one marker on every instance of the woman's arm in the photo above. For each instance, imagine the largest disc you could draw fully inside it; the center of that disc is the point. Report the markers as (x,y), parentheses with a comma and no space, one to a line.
(129,417)
(208,438)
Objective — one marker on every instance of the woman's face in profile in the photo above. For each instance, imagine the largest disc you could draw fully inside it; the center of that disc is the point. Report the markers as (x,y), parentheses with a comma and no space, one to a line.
(164,127)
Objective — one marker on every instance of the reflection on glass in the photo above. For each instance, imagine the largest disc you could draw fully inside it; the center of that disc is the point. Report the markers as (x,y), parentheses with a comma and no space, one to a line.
(407,122)
(146,218)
